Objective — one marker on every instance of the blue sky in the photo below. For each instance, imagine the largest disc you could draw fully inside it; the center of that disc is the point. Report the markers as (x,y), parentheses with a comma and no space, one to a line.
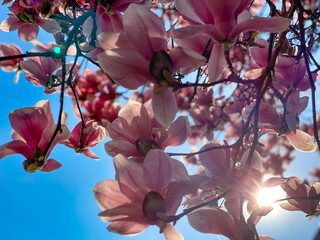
(60,205)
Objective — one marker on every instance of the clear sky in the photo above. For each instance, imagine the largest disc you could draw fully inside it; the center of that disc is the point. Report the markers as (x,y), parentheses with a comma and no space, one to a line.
(60,205)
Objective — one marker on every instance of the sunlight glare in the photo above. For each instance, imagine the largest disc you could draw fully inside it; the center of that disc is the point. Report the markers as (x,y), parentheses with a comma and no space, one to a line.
(267,196)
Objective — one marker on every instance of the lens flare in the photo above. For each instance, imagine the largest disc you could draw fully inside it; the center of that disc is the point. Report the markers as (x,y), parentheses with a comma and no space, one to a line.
(267,196)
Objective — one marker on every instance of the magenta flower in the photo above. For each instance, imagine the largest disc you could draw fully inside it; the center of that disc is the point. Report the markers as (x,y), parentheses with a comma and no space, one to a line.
(33,128)
(27,16)
(128,55)
(136,131)
(288,72)
(142,195)
(13,64)
(221,21)
(92,135)
(39,71)
(301,197)
(273,122)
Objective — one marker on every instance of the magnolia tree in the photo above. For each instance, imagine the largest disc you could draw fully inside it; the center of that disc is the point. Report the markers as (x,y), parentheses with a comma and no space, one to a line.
(230,76)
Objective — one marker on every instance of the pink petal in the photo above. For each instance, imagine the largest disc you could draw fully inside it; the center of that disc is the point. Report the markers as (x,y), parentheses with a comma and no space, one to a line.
(185,61)
(128,68)
(145,30)
(28,32)
(289,207)
(180,172)
(178,132)
(216,161)
(258,213)
(134,179)
(128,211)
(188,13)
(217,62)
(158,164)
(213,220)
(45,105)
(51,165)
(63,134)
(274,181)
(260,54)
(90,154)
(50,25)
(301,141)
(127,228)
(111,40)
(164,106)
(10,24)
(29,123)
(135,120)
(171,233)
(123,147)
(176,190)
(256,161)
(274,24)
(108,195)
(210,30)
(14,147)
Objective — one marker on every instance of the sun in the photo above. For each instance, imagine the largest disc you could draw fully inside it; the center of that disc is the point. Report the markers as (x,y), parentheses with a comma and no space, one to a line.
(267,196)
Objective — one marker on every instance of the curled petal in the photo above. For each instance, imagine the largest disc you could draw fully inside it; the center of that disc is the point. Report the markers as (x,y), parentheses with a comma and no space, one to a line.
(171,233)
(301,141)
(51,165)
(274,24)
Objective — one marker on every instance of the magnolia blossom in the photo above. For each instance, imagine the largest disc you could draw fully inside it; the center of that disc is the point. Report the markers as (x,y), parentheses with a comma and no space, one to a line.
(39,71)
(91,136)
(222,22)
(301,197)
(27,16)
(13,64)
(288,72)
(136,131)
(142,195)
(33,128)
(272,122)
(139,55)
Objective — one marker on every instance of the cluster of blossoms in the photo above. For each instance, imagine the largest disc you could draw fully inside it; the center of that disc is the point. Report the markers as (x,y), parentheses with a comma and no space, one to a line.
(199,70)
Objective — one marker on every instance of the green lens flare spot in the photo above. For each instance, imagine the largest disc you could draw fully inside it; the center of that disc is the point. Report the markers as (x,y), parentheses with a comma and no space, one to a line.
(57,50)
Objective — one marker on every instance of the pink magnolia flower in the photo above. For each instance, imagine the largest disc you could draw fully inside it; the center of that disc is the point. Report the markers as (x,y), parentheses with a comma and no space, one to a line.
(273,122)
(139,55)
(301,197)
(39,71)
(143,41)
(222,22)
(287,72)
(93,133)
(33,128)
(136,131)
(134,203)
(13,64)
(28,29)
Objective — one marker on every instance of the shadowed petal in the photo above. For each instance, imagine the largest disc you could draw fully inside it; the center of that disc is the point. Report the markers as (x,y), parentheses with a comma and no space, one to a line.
(164,106)
(274,24)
